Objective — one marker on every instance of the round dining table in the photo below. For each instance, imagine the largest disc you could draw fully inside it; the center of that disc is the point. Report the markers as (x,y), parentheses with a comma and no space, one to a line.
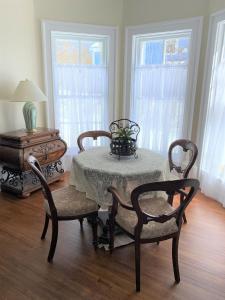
(95,169)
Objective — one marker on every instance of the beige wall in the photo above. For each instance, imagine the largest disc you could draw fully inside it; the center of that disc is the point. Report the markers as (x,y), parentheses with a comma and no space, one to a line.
(18,58)
(21,50)
(215,5)
(145,11)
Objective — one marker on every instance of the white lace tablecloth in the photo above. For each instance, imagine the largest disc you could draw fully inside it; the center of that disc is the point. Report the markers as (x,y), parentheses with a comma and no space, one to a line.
(94,170)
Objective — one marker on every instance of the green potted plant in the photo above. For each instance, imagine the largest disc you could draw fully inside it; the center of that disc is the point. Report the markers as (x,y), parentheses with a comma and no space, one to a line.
(124,136)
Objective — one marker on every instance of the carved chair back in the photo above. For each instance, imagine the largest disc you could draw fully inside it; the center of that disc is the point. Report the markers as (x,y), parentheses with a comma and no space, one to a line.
(36,168)
(92,134)
(187,146)
(170,187)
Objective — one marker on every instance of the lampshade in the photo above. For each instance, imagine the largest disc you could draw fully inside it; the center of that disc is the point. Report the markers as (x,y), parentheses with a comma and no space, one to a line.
(28,91)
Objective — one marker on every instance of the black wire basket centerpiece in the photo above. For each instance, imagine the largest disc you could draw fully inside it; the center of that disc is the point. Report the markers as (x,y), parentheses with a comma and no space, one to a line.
(124,137)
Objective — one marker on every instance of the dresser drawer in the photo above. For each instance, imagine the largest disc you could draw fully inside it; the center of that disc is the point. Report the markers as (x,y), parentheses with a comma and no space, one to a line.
(45,152)
(11,157)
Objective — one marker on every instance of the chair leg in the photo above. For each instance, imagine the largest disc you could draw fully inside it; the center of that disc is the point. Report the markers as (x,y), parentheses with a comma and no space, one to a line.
(137,265)
(45,227)
(184,218)
(94,224)
(111,233)
(81,220)
(54,240)
(175,259)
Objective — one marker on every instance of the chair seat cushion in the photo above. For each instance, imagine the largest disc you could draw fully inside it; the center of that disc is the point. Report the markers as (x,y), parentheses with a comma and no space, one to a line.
(70,202)
(127,219)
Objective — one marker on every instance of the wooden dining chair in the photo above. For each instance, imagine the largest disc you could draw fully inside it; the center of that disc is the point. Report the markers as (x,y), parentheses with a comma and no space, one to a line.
(64,204)
(187,146)
(150,220)
(91,134)
(94,134)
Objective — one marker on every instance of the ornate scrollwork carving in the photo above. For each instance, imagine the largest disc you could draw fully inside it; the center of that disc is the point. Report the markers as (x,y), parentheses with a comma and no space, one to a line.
(44,149)
(16,178)
(13,177)
(58,167)
(52,168)
(34,178)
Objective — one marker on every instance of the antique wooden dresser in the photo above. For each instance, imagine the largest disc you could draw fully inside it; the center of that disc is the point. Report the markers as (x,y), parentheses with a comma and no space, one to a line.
(45,144)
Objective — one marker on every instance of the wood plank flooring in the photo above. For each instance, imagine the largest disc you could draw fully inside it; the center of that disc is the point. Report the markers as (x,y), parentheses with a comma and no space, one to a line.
(78,272)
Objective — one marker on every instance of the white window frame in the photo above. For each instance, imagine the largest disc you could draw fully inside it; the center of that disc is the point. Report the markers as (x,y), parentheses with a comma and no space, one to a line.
(195,24)
(47,28)
(211,44)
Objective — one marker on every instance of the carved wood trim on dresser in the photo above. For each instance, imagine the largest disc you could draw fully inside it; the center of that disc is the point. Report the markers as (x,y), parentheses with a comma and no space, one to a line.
(45,144)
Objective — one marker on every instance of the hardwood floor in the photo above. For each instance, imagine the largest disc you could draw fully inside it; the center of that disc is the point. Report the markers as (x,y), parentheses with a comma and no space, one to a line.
(78,272)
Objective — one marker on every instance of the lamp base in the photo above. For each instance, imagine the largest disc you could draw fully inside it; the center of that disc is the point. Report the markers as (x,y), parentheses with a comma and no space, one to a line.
(31,131)
(30,116)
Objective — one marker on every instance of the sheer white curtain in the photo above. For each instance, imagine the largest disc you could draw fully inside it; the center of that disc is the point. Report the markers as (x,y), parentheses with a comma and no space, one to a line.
(212,173)
(158,105)
(80,100)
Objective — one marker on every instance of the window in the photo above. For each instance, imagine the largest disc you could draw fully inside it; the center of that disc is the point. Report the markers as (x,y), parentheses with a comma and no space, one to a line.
(80,78)
(212,167)
(160,92)
(164,51)
(80,74)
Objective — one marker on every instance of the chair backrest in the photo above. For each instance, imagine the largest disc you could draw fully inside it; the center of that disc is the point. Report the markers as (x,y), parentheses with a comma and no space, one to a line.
(186,145)
(171,188)
(92,134)
(36,168)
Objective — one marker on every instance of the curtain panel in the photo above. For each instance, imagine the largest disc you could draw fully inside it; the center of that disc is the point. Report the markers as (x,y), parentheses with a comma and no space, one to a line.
(158,104)
(212,173)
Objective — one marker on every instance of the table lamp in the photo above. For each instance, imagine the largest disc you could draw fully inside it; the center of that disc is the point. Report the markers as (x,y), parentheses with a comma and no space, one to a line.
(29,92)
